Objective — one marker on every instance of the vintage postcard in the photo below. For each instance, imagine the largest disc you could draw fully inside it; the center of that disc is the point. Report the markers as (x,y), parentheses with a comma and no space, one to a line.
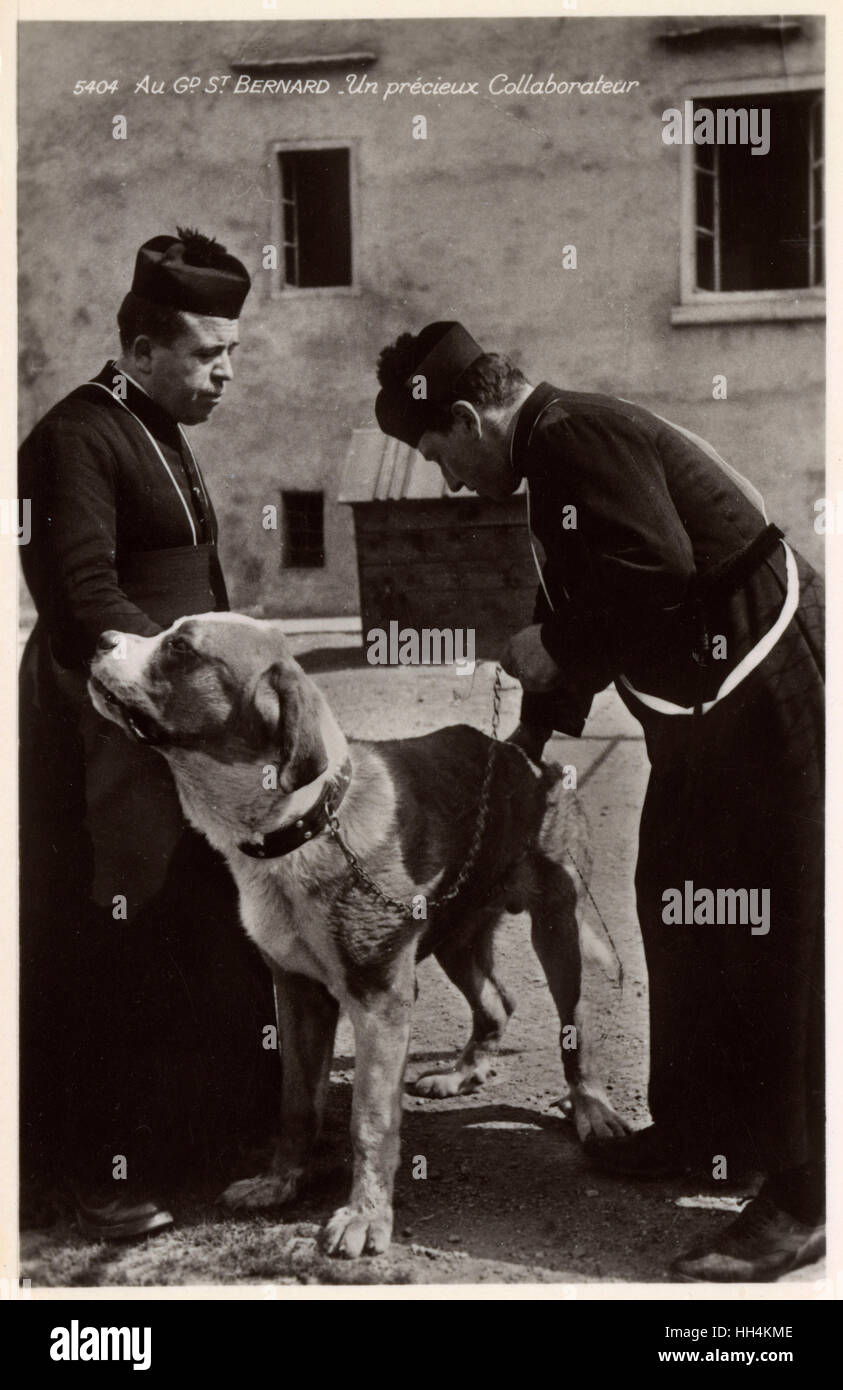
(421,525)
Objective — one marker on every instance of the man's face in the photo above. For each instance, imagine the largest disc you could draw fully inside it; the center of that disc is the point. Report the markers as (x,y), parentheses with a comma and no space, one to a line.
(189,376)
(472,459)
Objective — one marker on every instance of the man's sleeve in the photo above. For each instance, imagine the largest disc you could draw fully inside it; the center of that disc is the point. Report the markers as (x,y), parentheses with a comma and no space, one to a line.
(565,709)
(74,501)
(637,555)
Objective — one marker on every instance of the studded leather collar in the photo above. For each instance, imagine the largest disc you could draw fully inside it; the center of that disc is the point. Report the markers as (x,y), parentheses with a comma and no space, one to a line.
(307,827)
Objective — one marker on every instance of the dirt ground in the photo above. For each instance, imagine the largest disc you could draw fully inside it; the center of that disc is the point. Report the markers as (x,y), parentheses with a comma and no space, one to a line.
(508,1197)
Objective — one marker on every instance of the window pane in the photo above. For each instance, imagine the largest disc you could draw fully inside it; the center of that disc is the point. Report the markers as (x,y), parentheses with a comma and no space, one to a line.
(321,179)
(705,201)
(290,276)
(817,115)
(818,192)
(704,154)
(764,214)
(289,221)
(303,535)
(819,256)
(705,263)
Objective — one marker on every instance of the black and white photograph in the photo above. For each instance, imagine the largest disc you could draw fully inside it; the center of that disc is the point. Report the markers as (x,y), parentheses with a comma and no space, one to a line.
(420,532)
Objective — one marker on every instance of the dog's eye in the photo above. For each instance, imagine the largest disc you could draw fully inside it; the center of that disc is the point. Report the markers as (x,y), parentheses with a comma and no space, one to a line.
(179,646)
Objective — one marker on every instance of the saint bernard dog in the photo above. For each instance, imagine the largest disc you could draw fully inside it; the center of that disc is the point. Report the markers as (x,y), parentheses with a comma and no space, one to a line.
(265,773)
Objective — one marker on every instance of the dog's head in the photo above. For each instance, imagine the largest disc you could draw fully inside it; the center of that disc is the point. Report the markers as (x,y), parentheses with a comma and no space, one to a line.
(220,684)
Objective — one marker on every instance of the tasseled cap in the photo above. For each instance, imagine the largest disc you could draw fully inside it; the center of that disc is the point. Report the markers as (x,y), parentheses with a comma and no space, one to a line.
(191,272)
(444,351)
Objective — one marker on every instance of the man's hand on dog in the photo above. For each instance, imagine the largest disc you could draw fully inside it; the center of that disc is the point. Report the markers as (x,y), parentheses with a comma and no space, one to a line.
(526,658)
(530,738)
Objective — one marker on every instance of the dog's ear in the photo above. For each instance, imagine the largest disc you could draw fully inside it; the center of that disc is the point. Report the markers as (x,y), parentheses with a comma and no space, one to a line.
(286,703)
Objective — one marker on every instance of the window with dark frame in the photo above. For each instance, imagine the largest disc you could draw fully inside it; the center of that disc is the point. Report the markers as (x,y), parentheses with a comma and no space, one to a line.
(759,219)
(316,217)
(303,543)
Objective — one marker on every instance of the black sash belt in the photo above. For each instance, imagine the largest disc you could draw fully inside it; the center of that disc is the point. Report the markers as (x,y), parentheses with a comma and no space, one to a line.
(721,581)
(171,583)
(730,574)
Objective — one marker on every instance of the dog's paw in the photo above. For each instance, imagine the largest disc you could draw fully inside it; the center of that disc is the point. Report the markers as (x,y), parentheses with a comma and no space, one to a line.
(438,1085)
(351,1233)
(267,1190)
(593,1115)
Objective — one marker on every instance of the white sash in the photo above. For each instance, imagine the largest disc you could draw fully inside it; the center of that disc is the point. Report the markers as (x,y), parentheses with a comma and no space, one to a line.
(154,444)
(756,655)
(753,658)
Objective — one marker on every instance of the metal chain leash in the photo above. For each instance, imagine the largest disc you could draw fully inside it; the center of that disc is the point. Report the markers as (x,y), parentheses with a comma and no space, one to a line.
(604,924)
(373,889)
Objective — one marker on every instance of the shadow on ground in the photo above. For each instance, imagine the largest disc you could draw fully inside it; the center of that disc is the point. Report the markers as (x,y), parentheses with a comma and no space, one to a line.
(506,1198)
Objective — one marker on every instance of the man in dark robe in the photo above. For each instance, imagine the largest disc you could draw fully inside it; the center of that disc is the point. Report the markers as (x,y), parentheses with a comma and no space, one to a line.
(143,1005)
(663,576)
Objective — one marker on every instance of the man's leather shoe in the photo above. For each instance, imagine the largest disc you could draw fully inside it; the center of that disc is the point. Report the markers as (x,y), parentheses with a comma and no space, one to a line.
(119,1218)
(762,1244)
(653,1152)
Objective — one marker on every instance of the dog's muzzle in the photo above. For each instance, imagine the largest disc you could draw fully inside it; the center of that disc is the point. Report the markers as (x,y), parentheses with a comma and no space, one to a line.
(140,725)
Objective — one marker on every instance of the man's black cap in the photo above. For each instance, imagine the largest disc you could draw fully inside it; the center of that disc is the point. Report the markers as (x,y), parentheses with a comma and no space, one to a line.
(444,351)
(191,272)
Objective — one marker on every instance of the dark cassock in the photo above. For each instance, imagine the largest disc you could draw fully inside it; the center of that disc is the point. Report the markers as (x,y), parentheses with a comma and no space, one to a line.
(143,1005)
(663,576)
(672,585)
